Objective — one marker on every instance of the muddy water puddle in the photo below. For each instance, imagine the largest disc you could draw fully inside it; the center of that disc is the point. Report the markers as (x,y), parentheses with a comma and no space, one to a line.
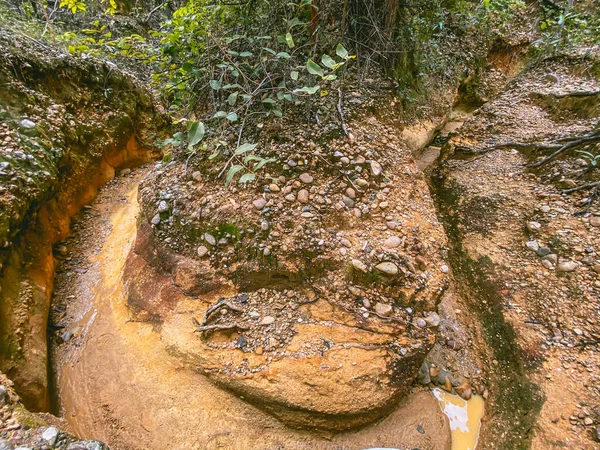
(116,381)
(464,417)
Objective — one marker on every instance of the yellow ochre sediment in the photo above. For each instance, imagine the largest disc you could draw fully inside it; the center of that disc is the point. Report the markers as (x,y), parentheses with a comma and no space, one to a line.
(464,416)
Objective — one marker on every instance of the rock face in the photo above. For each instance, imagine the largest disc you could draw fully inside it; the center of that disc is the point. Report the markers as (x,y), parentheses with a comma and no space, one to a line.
(60,139)
(281,306)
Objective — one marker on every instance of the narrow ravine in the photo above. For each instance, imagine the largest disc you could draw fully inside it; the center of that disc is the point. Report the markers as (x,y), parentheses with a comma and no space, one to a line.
(116,382)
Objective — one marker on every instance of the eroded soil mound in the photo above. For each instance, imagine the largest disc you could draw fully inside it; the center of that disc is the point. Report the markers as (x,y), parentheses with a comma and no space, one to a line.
(302,291)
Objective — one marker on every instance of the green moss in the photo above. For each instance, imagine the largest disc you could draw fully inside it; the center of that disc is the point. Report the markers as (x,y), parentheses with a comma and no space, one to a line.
(225,229)
(517,400)
(27,418)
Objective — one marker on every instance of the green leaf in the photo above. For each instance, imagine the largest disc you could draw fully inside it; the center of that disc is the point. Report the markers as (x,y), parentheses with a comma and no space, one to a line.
(294,75)
(187,67)
(245,148)
(289,40)
(246,54)
(277,112)
(219,115)
(263,162)
(330,77)
(284,55)
(341,51)
(294,22)
(313,68)
(328,61)
(232,117)
(214,154)
(269,101)
(215,84)
(271,51)
(195,132)
(249,158)
(247,177)
(231,173)
(307,90)
(232,99)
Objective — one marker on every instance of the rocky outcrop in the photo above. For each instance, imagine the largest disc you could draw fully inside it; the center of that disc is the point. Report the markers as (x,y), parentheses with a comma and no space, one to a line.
(66,125)
(300,292)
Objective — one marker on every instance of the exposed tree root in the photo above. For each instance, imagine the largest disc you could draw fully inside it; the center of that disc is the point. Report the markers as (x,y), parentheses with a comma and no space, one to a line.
(577,94)
(581,188)
(219,305)
(591,138)
(559,145)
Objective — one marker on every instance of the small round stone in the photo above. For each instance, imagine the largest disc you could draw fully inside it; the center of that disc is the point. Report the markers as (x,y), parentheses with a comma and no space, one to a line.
(359,265)
(268,320)
(306,178)
(259,203)
(202,251)
(387,267)
(392,242)
(420,323)
(210,239)
(567,266)
(382,309)
(303,196)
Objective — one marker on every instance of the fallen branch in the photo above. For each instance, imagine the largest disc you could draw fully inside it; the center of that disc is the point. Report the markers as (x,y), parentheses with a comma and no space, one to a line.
(147,19)
(339,108)
(233,326)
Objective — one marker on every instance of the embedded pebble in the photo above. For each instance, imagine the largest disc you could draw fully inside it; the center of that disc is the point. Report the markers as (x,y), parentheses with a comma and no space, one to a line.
(306,178)
(50,435)
(260,203)
(392,242)
(382,309)
(543,251)
(433,319)
(567,266)
(359,265)
(210,239)
(376,168)
(387,267)
(3,395)
(163,207)
(202,251)
(268,320)
(303,196)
